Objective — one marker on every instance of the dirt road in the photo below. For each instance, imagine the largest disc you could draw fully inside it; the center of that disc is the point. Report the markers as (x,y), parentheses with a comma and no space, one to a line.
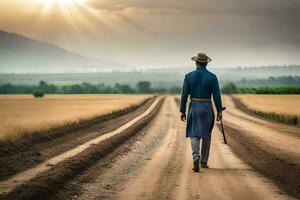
(156,164)
(52,171)
(270,147)
(284,138)
(16,157)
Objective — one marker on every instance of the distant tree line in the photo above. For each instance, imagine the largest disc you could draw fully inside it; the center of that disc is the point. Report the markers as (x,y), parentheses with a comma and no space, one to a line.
(271,81)
(143,87)
(231,88)
(86,88)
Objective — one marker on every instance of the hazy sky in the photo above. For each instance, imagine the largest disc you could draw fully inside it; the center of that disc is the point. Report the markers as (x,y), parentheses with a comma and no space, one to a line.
(163,33)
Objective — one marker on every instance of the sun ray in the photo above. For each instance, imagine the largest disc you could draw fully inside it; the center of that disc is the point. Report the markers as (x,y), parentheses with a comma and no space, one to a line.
(61,3)
(49,6)
(76,17)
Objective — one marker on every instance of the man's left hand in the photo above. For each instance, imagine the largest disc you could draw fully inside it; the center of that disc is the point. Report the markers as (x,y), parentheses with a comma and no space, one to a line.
(183,117)
(219,116)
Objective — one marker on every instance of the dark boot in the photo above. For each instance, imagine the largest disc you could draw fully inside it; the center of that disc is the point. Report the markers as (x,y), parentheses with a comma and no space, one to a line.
(204,165)
(196,164)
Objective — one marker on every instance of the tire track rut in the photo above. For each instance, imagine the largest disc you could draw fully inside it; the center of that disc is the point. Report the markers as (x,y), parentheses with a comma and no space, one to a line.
(23,177)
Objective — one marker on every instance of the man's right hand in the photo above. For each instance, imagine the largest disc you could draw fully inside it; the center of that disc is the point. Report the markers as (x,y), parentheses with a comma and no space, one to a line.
(219,116)
(183,117)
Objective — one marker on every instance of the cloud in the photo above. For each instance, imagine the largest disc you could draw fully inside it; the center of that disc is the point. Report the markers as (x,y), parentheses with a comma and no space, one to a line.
(157,33)
(240,7)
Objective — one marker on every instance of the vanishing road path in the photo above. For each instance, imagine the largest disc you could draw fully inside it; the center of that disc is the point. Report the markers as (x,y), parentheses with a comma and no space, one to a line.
(156,164)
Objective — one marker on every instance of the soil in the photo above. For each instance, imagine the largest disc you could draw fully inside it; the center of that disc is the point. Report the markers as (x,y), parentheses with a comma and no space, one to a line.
(270,147)
(44,180)
(152,160)
(27,152)
(157,164)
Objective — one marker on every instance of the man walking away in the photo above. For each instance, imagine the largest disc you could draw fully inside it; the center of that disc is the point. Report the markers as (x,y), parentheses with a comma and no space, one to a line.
(200,85)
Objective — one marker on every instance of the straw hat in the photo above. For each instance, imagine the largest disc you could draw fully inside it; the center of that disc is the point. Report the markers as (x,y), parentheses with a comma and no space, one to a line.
(201,57)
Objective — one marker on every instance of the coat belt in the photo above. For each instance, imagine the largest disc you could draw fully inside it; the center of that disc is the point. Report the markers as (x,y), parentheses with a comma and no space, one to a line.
(200,99)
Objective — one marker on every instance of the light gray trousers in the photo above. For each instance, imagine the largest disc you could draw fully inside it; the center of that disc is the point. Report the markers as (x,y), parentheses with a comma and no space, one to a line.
(205,147)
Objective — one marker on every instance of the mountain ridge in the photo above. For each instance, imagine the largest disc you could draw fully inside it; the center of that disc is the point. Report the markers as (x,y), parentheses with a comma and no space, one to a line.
(19,54)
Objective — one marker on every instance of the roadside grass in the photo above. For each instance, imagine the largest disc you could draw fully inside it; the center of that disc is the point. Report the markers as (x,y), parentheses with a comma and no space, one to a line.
(288,117)
(283,118)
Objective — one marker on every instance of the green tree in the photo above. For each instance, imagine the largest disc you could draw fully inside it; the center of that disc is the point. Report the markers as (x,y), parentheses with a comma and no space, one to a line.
(144,87)
(175,90)
(38,94)
(7,89)
(229,88)
(76,89)
(124,89)
(46,88)
(88,88)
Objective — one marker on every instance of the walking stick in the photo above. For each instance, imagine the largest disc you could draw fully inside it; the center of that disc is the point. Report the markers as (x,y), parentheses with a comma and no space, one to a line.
(223,132)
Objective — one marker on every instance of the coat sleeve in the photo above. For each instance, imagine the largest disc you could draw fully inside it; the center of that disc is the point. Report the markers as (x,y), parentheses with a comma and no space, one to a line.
(217,94)
(184,95)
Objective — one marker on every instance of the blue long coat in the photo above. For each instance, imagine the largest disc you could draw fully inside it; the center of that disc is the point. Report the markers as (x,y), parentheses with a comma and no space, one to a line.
(200,83)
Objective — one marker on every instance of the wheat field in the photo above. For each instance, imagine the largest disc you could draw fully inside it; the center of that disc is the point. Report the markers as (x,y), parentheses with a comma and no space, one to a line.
(23,114)
(284,104)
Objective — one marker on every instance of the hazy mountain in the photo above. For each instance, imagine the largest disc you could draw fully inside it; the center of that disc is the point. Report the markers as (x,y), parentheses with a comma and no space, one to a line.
(19,54)
(35,60)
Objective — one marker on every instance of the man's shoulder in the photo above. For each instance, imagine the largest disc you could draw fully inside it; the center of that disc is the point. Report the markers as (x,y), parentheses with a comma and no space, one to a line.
(209,73)
(213,75)
(190,73)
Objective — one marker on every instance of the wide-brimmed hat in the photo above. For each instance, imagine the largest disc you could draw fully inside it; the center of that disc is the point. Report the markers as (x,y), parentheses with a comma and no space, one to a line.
(201,57)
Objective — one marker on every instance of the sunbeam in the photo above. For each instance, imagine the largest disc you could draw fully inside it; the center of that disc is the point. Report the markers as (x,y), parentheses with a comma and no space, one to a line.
(60,3)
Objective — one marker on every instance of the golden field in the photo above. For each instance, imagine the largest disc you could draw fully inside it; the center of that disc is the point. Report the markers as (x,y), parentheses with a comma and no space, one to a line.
(283,104)
(21,114)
